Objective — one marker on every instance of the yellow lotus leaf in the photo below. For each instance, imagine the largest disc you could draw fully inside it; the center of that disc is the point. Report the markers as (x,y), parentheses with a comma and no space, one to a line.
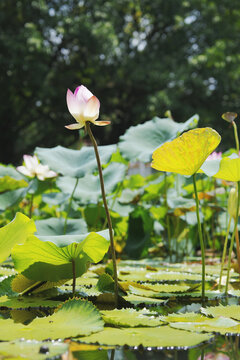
(186,154)
(229,169)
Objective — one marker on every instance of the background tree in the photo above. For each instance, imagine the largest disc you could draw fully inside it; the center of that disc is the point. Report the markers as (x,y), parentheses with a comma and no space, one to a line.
(139,57)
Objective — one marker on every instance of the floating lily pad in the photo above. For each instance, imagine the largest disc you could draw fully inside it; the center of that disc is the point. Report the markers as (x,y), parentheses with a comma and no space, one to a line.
(131,318)
(163,336)
(186,317)
(222,325)
(231,311)
(138,300)
(32,350)
(151,292)
(75,318)
(26,302)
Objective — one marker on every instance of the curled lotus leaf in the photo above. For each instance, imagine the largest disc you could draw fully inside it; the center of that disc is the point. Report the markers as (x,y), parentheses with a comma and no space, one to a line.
(229,169)
(186,154)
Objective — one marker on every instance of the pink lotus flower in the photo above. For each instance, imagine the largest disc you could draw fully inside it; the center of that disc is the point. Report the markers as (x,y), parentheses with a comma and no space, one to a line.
(213,356)
(33,168)
(83,106)
(215,156)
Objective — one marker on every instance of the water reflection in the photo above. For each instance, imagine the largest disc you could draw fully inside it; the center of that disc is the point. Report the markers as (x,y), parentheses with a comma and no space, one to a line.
(224,348)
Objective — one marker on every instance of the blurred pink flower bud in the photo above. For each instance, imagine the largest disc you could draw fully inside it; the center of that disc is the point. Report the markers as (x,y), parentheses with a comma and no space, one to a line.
(213,356)
(215,156)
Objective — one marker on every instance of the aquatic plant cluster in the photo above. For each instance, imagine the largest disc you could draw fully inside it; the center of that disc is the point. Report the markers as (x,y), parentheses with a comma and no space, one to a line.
(64,209)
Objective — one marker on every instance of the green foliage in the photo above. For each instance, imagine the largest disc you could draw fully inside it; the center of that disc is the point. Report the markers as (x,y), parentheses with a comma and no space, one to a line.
(140,226)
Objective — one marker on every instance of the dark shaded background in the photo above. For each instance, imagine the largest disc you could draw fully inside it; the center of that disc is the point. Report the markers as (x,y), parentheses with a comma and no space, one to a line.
(138,57)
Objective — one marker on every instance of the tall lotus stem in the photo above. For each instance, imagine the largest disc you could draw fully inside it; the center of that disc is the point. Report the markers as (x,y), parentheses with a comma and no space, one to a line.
(232,238)
(31,206)
(236,136)
(200,237)
(167,218)
(74,277)
(224,252)
(106,210)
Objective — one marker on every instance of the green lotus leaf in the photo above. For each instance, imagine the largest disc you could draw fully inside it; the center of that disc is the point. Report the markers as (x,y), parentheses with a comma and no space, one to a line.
(229,169)
(174,276)
(156,291)
(131,318)
(105,283)
(139,274)
(88,188)
(5,286)
(16,232)
(23,285)
(9,170)
(139,142)
(22,302)
(220,325)
(186,317)
(7,184)
(10,198)
(55,226)
(138,300)
(74,163)
(163,336)
(50,258)
(74,318)
(30,350)
(55,198)
(231,311)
